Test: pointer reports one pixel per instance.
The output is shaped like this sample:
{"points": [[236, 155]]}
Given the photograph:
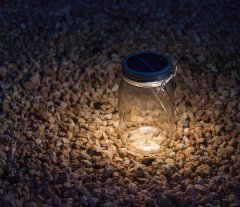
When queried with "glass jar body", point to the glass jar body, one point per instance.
{"points": [[146, 116]]}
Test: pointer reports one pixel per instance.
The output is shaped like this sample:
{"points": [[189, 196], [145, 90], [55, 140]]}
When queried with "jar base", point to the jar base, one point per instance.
{"points": [[145, 139]]}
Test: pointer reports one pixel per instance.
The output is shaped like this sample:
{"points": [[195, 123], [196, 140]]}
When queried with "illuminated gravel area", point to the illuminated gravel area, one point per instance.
{"points": [[60, 68]]}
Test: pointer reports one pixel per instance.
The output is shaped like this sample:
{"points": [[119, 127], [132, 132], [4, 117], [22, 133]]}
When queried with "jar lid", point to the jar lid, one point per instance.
{"points": [[146, 67]]}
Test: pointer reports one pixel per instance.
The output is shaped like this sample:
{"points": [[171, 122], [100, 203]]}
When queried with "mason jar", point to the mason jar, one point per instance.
{"points": [[146, 102]]}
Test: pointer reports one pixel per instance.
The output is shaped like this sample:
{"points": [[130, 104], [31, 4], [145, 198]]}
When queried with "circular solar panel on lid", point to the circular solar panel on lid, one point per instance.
{"points": [[146, 67]]}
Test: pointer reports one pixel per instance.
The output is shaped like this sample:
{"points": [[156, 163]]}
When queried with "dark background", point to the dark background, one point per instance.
{"points": [[203, 33]]}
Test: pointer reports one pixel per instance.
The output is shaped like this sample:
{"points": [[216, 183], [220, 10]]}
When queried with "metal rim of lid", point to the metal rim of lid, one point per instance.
{"points": [[150, 76]]}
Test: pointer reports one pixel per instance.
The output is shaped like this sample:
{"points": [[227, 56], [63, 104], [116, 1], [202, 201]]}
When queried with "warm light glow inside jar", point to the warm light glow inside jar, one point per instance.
{"points": [[146, 102]]}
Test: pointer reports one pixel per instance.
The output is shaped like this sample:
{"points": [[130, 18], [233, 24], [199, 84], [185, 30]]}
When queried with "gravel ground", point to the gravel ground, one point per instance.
{"points": [[59, 77]]}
